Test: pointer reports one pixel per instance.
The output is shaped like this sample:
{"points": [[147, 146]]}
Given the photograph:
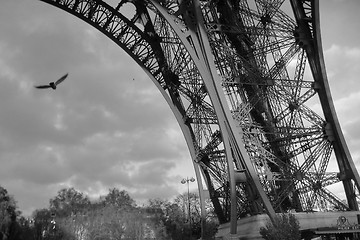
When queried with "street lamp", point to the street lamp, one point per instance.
{"points": [[187, 180]]}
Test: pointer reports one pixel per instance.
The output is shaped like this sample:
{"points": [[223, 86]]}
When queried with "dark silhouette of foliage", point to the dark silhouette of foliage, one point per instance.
{"points": [[8, 226], [11, 224]]}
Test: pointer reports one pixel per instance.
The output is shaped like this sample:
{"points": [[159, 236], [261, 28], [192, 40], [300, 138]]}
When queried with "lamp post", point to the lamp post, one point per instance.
{"points": [[187, 180]]}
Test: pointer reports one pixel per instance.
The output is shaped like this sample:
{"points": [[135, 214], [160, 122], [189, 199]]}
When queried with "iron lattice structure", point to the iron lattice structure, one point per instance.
{"points": [[247, 84]]}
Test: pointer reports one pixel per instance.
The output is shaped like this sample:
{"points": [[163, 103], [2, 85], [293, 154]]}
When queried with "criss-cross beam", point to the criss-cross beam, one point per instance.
{"points": [[241, 78]]}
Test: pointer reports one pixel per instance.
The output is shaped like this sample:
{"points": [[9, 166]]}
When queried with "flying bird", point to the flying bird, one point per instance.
{"points": [[53, 84]]}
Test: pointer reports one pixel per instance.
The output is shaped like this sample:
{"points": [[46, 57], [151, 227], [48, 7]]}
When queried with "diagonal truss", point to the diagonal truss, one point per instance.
{"points": [[267, 59]]}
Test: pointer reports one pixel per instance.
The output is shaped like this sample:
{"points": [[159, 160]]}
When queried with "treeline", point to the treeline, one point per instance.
{"points": [[71, 216]]}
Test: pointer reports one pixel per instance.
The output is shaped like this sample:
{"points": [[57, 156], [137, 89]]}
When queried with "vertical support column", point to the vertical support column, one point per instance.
{"points": [[201, 54], [201, 60], [233, 136]]}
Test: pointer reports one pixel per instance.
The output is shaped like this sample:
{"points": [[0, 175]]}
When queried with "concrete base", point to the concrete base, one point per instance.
{"points": [[249, 228]]}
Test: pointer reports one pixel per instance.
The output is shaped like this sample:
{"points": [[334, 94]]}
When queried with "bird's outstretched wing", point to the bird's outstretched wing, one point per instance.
{"points": [[61, 79], [42, 86]]}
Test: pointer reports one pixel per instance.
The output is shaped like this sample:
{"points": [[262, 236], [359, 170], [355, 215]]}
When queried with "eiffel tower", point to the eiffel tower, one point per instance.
{"points": [[244, 80]]}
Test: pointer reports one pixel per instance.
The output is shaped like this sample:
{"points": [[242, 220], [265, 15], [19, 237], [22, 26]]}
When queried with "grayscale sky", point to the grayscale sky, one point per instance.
{"points": [[107, 125]]}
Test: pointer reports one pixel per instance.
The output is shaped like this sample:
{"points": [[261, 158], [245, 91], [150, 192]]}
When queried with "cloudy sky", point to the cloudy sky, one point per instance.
{"points": [[107, 125]]}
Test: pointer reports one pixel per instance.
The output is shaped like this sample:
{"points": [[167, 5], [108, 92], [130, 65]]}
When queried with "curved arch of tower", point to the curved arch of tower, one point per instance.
{"points": [[245, 80]]}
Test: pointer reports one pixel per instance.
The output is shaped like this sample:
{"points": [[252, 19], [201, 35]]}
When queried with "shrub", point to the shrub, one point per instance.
{"points": [[285, 227]]}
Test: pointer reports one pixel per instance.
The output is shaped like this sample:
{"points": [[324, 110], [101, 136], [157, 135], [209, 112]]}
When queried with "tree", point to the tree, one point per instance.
{"points": [[26, 229], [190, 206], [42, 223], [69, 201], [155, 212], [211, 222], [284, 227], [120, 199], [5, 216], [9, 228], [114, 216], [134, 224], [106, 222], [172, 217]]}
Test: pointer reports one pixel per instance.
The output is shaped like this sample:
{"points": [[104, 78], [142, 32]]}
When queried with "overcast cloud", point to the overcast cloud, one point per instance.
{"points": [[107, 125]]}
